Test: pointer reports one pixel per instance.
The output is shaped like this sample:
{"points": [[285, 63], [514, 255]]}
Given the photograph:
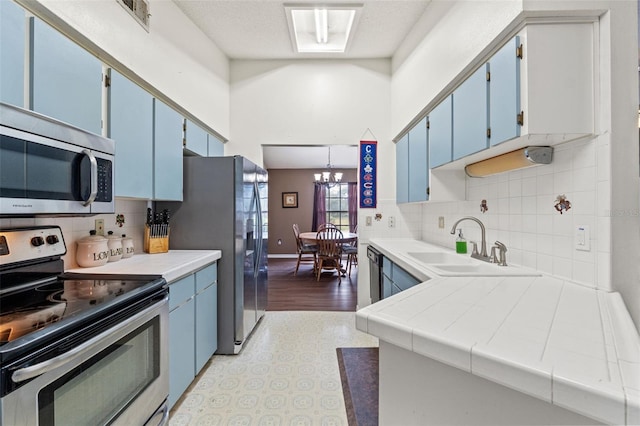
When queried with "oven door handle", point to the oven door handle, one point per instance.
{"points": [[36, 370], [94, 177]]}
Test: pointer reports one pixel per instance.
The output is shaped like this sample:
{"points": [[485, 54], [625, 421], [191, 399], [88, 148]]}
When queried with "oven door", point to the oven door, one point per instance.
{"points": [[118, 377], [39, 176]]}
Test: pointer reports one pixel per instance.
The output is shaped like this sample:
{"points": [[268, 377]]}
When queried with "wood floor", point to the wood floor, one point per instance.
{"points": [[287, 292]]}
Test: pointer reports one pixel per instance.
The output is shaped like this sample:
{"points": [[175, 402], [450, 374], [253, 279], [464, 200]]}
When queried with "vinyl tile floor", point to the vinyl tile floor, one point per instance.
{"points": [[287, 374]]}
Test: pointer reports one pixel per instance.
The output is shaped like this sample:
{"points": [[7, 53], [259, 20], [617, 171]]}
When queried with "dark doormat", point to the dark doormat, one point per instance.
{"points": [[359, 375]]}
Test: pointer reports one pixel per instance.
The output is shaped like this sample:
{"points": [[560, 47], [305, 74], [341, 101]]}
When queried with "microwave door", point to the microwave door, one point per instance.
{"points": [[43, 176]]}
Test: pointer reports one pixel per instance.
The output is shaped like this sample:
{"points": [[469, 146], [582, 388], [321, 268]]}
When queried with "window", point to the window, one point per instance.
{"points": [[337, 206]]}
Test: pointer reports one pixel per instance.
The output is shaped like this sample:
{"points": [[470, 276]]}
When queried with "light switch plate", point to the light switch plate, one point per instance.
{"points": [[368, 221], [441, 222], [582, 238]]}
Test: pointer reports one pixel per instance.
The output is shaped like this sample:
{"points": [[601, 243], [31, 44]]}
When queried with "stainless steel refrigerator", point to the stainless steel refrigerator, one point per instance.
{"points": [[225, 207]]}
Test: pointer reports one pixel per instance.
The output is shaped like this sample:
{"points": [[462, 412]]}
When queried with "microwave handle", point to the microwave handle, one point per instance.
{"points": [[94, 177]]}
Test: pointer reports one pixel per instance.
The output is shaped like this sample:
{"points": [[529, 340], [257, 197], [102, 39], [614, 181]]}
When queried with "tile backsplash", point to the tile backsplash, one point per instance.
{"points": [[521, 213], [74, 228]]}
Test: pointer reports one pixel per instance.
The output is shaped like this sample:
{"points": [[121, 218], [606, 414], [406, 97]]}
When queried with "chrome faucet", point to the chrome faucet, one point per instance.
{"points": [[501, 257], [483, 249]]}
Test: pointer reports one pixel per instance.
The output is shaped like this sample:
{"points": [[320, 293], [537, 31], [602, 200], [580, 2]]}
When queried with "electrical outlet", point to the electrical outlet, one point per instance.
{"points": [[99, 226], [441, 222], [368, 221], [392, 222]]}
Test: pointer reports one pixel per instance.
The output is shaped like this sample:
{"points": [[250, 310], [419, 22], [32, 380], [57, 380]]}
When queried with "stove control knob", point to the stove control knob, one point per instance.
{"points": [[37, 241], [52, 239]]}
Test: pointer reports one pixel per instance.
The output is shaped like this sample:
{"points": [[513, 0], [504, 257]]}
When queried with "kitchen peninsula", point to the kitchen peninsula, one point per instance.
{"points": [[501, 349]]}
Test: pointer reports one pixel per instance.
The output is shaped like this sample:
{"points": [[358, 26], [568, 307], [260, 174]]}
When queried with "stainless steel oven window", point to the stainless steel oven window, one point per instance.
{"points": [[98, 390]]}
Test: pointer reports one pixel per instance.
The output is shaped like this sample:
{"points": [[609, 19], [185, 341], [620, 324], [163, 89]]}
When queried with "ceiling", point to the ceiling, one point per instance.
{"points": [[259, 30]]}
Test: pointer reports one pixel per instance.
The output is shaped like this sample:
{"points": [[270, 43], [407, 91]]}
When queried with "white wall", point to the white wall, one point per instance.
{"points": [[317, 102], [321, 102], [599, 177], [174, 57]]}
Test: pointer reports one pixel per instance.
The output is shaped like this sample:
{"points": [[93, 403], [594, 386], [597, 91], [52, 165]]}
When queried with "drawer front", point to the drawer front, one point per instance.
{"points": [[181, 290], [206, 276]]}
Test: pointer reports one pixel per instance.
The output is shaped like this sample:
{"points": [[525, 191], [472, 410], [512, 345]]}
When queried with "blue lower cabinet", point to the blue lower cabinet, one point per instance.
{"points": [[206, 319], [181, 348], [395, 279], [193, 327]]}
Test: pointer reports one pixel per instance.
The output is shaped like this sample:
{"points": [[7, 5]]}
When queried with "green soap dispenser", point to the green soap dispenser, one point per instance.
{"points": [[461, 243]]}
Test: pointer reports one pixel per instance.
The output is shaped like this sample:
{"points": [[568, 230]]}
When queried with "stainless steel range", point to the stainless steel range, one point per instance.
{"points": [[76, 348]]}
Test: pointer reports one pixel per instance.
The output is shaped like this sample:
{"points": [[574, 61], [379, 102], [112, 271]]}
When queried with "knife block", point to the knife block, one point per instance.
{"points": [[155, 244]]}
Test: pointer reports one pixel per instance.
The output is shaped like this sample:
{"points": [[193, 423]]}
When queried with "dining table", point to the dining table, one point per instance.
{"points": [[310, 237], [347, 237]]}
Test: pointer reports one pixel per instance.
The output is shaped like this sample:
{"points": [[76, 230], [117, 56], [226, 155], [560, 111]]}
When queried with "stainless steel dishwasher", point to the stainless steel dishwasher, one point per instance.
{"points": [[375, 273]]}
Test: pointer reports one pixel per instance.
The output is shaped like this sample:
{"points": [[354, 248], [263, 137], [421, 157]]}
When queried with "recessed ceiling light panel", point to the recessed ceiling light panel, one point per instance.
{"points": [[322, 28]]}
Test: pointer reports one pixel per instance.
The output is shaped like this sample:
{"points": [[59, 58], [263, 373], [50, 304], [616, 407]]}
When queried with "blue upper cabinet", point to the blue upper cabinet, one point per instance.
{"points": [[167, 152], [216, 147], [67, 80], [504, 90], [12, 34], [470, 115], [131, 127], [402, 170], [196, 139], [440, 133], [418, 162]]}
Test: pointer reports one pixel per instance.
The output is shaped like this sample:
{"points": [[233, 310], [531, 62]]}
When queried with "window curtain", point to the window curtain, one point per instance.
{"points": [[352, 196], [319, 206]]}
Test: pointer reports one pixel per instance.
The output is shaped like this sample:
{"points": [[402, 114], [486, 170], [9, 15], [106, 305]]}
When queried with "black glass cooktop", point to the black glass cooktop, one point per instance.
{"points": [[27, 310]]}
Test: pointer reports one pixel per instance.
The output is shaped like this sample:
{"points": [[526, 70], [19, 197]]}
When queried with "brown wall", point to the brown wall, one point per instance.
{"points": [[281, 219]]}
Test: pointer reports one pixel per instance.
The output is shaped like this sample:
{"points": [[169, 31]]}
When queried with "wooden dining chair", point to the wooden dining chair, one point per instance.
{"points": [[351, 250], [306, 252], [326, 226], [329, 251]]}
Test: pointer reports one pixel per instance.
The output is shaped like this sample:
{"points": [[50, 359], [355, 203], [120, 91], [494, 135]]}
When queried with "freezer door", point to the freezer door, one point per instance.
{"points": [[252, 248], [263, 213]]}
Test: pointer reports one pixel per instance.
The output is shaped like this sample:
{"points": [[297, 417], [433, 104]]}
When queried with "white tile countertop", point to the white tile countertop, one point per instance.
{"points": [[569, 345], [171, 265]]}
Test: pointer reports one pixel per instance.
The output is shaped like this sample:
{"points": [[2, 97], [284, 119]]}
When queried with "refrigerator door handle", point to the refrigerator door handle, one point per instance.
{"points": [[258, 233]]}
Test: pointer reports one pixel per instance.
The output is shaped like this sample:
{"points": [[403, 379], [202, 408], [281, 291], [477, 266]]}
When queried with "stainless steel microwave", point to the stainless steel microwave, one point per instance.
{"points": [[50, 168]]}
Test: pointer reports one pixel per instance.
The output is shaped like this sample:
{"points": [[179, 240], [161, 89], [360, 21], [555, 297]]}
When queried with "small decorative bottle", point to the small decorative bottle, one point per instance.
{"points": [[461, 243]]}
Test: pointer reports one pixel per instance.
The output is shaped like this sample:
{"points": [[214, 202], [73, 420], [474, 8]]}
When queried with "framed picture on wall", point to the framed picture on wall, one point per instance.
{"points": [[290, 200]]}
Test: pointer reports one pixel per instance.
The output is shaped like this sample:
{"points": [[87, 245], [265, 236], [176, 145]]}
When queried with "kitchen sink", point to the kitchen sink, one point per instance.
{"points": [[456, 265], [481, 269], [440, 258]]}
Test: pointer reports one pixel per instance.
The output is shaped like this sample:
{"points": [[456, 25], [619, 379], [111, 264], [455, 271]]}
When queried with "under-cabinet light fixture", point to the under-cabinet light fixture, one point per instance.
{"points": [[518, 159]]}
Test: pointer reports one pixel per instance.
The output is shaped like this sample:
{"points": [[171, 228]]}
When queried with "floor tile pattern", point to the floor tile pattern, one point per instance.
{"points": [[287, 374]]}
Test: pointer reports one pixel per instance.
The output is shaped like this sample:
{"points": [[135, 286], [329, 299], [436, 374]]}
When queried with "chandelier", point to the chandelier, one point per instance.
{"points": [[325, 176]]}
